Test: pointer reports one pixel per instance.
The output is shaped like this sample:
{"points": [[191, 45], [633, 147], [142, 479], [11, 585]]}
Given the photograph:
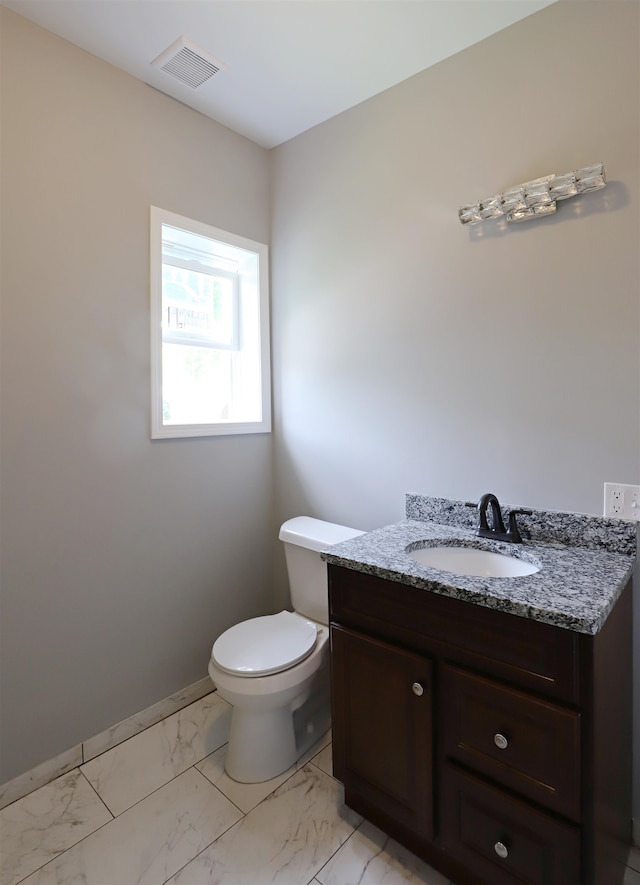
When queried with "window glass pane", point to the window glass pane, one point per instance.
{"points": [[196, 384], [201, 305]]}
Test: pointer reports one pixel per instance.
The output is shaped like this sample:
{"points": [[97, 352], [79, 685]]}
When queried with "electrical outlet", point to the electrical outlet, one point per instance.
{"points": [[622, 501]]}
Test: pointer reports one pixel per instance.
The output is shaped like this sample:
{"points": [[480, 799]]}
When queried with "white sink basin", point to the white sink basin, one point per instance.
{"points": [[472, 562]]}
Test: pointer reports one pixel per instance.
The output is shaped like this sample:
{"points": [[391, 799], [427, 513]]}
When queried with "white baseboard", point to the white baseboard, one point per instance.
{"points": [[40, 775], [118, 733], [48, 771]]}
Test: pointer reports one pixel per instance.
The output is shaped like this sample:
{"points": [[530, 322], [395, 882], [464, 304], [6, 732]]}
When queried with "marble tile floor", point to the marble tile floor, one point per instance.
{"points": [[158, 808]]}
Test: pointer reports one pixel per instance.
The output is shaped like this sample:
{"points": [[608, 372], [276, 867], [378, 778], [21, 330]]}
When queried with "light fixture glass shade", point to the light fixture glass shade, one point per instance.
{"points": [[491, 207], [469, 214], [591, 178], [521, 214], [541, 211], [531, 212], [536, 193], [563, 186], [513, 199]]}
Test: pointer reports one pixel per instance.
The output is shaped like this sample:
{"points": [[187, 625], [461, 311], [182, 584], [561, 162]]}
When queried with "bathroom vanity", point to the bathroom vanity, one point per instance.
{"points": [[485, 723]]}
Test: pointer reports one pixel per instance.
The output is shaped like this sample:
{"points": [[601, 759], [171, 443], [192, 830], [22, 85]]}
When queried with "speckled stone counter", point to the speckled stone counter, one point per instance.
{"points": [[584, 561]]}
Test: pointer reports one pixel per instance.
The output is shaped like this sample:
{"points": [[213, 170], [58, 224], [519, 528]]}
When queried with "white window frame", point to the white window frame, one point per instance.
{"points": [[160, 430]]}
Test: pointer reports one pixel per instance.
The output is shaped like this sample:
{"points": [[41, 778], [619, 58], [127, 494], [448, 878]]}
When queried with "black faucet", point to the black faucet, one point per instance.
{"points": [[497, 532]]}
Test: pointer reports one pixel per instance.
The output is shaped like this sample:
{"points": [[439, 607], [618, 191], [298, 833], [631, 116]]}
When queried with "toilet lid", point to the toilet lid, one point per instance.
{"points": [[265, 645]]}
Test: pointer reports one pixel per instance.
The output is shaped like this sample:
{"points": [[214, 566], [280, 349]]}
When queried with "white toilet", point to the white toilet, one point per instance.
{"points": [[274, 670]]}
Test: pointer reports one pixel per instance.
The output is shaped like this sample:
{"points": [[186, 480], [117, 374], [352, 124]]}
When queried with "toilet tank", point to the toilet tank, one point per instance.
{"points": [[304, 538]]}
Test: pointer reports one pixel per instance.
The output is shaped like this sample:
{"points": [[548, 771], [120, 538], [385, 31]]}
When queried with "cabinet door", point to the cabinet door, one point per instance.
{"points": [[382, 728]]}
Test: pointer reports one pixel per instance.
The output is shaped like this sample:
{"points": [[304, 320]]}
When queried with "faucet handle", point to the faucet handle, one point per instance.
{"points": [[514, 531], [474, 506]]}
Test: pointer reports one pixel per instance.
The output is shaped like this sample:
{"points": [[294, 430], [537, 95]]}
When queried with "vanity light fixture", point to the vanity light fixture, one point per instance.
{"points": [[534, 199]]}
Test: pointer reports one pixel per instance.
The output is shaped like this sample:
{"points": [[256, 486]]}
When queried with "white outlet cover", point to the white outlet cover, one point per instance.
{"points": [[622, 501]]}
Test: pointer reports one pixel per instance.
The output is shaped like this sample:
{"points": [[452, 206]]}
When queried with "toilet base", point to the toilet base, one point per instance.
{"points": [[261, 745], [264, 744]]}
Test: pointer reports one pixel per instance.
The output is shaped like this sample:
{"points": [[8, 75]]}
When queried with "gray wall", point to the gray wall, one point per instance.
{"points": [[122, 559], [414, 355]]}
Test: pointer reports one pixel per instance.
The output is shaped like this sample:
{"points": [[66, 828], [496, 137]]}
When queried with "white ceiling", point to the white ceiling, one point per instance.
{"points": [[291, 64]]}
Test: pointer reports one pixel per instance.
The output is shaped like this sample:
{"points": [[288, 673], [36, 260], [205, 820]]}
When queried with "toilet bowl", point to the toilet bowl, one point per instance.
{"points": [[262, 736], [274, 670]]}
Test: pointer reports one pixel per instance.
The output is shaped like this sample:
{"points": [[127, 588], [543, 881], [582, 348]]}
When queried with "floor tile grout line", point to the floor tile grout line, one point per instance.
{"points": [[81, 745], [150, 725], [208, 846], [172, 778], [243, 813], [101, 800], [339, 848], [80, 766], [115, 817], [161, 786], [80, 841], [73, 845], [132, 737], [221, 791], [246, 814], [264, 798], [351, 834]]}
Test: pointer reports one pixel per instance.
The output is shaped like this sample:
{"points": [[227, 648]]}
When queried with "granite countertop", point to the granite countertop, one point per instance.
{"points": [[584, 561]]}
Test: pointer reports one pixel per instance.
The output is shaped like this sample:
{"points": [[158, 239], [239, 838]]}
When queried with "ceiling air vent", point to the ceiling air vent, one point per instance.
{"points": [[188, 63]]}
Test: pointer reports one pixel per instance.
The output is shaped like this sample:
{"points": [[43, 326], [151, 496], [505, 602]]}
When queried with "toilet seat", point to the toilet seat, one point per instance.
{"points": [[266, 645]]}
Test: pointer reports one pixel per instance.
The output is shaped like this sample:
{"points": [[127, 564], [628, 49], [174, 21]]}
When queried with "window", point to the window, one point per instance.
{"points": [[209, 330]]}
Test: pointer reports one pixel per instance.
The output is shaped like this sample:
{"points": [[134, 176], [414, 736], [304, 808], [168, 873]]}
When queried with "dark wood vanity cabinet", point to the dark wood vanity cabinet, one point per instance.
{"points": [[495, 747]]}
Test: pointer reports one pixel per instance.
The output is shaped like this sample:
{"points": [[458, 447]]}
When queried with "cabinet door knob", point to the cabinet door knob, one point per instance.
{"points": [[417, 689], [501, 742], [501, 849]]}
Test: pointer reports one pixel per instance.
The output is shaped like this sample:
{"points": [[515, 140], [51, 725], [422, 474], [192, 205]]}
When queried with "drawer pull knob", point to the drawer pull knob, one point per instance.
{"points": [[417, 689], [501, 850], [501, 743]]}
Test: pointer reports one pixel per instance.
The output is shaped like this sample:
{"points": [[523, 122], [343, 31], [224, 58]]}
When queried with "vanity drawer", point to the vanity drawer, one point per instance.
{"points": [[505, 840], [538, 656], [527, 744]]}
